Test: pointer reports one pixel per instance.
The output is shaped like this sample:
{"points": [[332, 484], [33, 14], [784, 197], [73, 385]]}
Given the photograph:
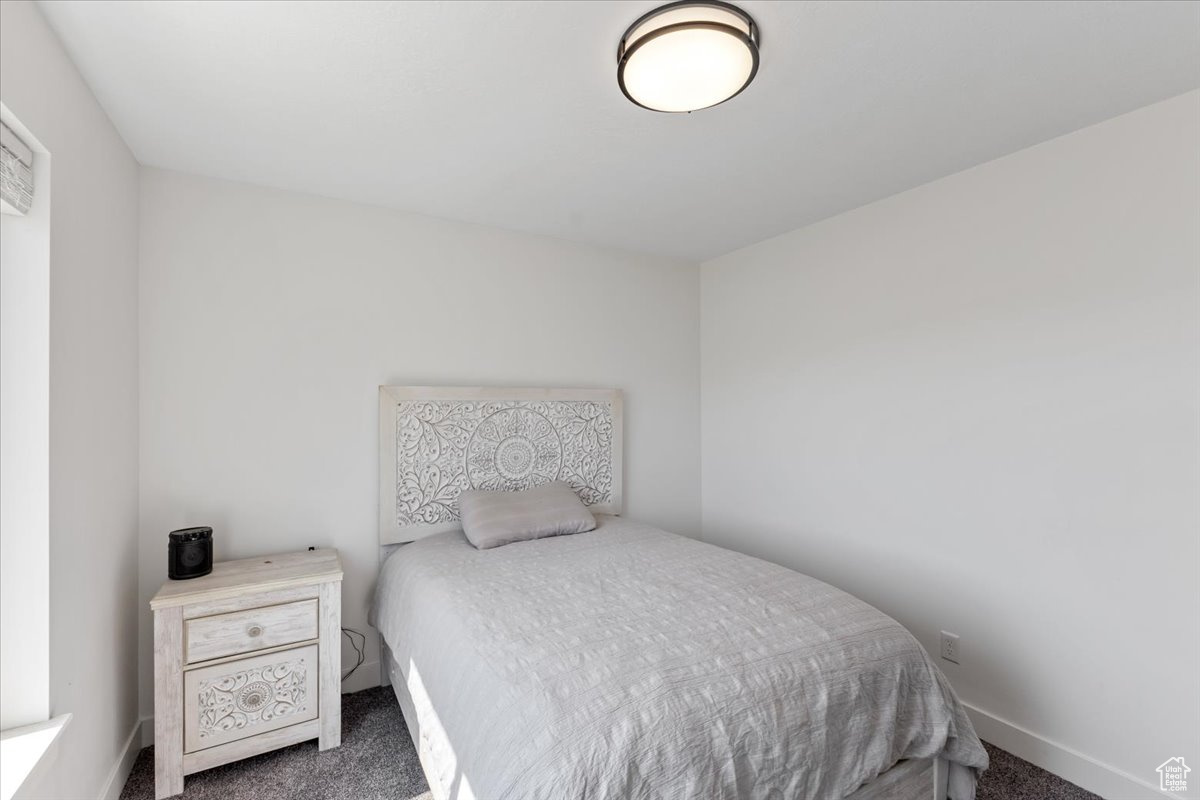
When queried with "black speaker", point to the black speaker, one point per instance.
{"points": [[189, 553]]}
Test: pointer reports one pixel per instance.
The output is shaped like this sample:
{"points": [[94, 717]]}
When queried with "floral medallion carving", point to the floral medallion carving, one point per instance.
{"points": [[253, 696], [514, 448], [445, 447]]}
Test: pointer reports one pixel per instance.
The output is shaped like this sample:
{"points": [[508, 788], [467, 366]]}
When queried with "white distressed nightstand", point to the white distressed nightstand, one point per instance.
{"points": [[246, 659]]}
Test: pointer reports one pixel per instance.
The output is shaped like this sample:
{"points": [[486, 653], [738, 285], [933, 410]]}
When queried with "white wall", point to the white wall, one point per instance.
{"points": [[93, 401], [976, 405], [269, 319]]}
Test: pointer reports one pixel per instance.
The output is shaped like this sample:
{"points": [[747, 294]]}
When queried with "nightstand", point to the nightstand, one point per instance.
{"points": [[246, 659]]}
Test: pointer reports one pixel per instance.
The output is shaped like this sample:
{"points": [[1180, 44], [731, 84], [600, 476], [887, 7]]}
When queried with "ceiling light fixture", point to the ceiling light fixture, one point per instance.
{"points": [[687, 56]]}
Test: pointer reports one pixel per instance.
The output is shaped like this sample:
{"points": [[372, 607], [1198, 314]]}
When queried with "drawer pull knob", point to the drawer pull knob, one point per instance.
{"points": [[254, 630]]}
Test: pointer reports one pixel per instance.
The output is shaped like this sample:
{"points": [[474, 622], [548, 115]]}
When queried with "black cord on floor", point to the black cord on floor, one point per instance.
{"points": [[361, 651]]}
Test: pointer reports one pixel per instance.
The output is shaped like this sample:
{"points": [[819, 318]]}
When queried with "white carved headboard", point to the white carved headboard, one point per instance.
{"points": [[437, 441]]}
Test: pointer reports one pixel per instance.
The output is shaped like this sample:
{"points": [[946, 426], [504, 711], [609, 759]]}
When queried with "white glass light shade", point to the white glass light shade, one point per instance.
{"points": [[688, 56]]}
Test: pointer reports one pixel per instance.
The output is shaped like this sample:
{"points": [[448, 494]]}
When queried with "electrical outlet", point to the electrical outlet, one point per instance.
{"points": [[950, 646]]}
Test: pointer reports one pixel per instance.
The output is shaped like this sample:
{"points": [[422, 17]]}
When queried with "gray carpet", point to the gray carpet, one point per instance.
{"points": [[377, 762], [1011, 778]]}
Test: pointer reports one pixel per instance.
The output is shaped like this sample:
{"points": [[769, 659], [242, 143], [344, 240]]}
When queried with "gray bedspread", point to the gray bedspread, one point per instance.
{"points": [[632, 663]]}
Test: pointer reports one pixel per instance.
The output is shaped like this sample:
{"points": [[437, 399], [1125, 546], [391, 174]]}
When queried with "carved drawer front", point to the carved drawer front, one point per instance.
{"points": [[250, 630], [230, 701]]}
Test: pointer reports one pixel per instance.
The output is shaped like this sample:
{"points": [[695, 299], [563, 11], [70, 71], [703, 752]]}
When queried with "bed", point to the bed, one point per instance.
{"points": [[628, 662]]}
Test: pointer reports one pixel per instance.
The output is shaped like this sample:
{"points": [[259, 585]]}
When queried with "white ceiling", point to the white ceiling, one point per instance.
{"points": [[508, 113]]}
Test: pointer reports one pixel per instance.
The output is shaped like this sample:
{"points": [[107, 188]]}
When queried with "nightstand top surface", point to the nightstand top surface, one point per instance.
{"points": [[232, 578]]}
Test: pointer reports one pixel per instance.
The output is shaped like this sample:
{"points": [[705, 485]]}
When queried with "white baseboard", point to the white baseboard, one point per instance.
{"points": [[120, 771], [1081, 770]]}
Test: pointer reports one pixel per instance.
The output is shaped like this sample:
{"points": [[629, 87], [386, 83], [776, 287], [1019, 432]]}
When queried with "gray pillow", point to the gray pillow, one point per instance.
{"points": [[492, 519]]}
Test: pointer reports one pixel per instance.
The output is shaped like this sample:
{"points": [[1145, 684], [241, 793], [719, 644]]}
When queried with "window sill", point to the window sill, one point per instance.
{"points": [[27, 752]]}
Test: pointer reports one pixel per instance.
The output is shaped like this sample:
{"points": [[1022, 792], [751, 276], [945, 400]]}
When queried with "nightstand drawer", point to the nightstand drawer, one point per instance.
{"points": [[246, 631], [238, 699]]}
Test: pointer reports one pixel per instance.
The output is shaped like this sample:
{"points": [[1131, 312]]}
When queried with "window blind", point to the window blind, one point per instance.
{"points": [[16, 172]]}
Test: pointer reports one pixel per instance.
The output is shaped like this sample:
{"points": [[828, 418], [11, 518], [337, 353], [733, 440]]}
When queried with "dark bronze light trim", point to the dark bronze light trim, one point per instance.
{"points": [[751, 41]]}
